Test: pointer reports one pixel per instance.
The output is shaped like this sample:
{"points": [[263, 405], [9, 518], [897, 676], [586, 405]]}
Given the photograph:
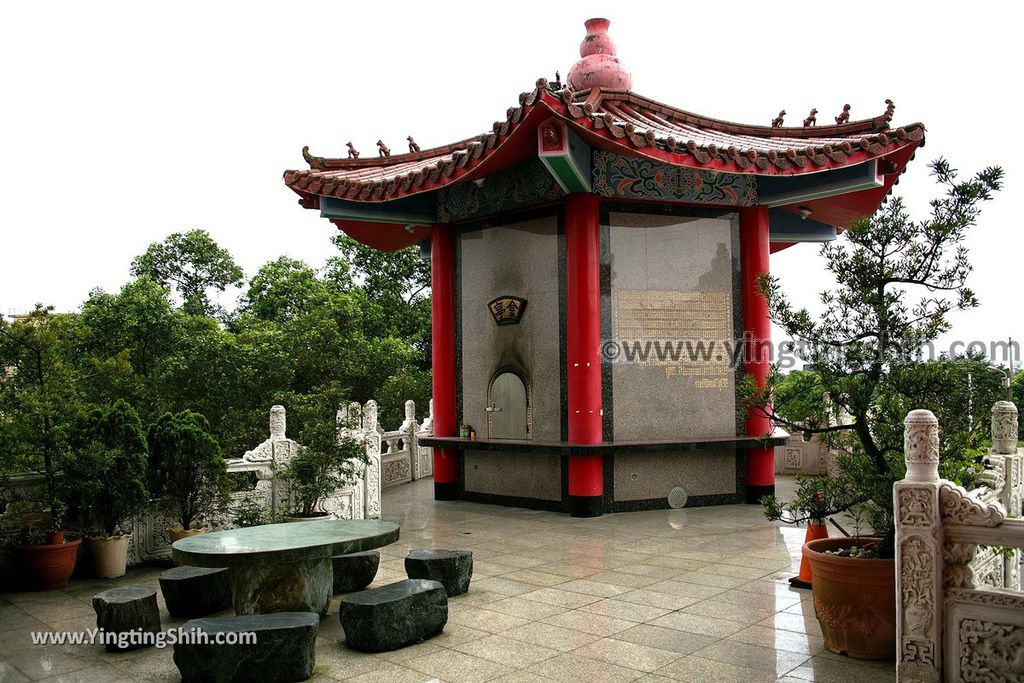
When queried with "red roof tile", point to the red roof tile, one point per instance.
{"points": [[619, 120]]}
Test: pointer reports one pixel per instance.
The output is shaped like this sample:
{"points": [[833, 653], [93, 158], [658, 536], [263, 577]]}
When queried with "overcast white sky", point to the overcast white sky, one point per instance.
{"points": [[123, 122]]}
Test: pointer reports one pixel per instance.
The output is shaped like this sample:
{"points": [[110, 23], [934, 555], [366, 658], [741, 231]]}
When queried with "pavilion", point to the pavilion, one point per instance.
{"points": [[587, 218]]}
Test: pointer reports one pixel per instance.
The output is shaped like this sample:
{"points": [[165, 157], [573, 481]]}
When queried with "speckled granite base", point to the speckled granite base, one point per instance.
{"points": [[303, 586]]}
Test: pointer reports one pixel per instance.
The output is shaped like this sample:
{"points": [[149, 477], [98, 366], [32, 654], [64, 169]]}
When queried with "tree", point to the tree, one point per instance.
{"points": [[870, 332], [127, 338], [282, 290], [191, 264], [800, 398], [396, 286], [186, 469], [326, 461], [37, 388], [1018, 397], [104, 476]]}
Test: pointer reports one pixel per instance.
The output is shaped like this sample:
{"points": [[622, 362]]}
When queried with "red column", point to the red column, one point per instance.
{"points": [[757, 333], [582, 349], [442, 331]]}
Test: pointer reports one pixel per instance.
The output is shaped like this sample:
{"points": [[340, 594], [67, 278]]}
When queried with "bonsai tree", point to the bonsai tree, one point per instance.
{"points": [[866, 339], [326, 462], [186, 470], [104, 479]]}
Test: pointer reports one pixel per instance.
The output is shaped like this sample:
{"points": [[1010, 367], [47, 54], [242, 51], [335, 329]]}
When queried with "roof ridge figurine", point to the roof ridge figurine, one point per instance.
{"points": [[777, 121], [845, 116], [353, 153], [382, 149], [413, 147], [890, 108], [812, 118]]}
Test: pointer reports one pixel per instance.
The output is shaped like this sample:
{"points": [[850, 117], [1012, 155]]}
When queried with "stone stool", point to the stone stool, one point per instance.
{"points": [[393, 616], [453, 568], [284, 649], [195, 591], [355, 571], [127, 610]]}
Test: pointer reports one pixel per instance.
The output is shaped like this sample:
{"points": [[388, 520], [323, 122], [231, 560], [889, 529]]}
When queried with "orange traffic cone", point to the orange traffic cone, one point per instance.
{"points": [[814, 532]]}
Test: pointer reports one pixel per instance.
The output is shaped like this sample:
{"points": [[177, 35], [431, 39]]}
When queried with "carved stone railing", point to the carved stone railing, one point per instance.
{"points": [[958, 617], [402, 459]]}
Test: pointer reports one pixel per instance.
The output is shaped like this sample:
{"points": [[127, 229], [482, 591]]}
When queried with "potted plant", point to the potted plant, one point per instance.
{"points": [[104, 483], [863, 349], [186, 470], [817, 499], [327, 461], [38, 396]]}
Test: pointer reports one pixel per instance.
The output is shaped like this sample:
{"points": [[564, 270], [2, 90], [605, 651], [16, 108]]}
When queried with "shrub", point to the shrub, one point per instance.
{"points": [[104, 475], [186, 469]]}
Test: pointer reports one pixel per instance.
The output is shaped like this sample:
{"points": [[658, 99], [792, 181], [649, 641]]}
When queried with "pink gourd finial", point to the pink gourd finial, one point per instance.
{"points": [[598, 66]]}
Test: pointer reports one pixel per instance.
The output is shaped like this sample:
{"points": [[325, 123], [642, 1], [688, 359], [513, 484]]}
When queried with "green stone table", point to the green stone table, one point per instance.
{"points": [[283, 567]]}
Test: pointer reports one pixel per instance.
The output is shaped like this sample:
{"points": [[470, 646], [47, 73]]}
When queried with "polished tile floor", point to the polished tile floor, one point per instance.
{"points": [[688, 595]]}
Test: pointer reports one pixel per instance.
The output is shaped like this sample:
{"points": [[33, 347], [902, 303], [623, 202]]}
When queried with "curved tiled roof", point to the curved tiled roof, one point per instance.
{"points": [[618, 120]]}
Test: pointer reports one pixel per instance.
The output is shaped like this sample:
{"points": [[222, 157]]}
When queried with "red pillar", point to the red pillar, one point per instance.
{"points": [[442, 331], [757, 333], [582, 349]]}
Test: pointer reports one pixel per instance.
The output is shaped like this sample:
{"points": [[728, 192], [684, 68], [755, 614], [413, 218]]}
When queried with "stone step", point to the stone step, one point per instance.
{"points": [[453, 568], [284, 649], [195, 591], [393, 616]]}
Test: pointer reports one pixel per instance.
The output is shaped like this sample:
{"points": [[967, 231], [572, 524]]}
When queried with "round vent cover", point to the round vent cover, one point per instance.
{"points": [[677, 497]]}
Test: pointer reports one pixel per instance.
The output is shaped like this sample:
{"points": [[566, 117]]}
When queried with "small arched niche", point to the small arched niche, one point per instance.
{"points": [[508, 406]]}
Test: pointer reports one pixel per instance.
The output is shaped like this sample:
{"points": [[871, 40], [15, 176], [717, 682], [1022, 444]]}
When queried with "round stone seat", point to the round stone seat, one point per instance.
{"points": [[283, 651], [124, 615], [195, 591], [393, 616], [453, 568], [354, 571]]}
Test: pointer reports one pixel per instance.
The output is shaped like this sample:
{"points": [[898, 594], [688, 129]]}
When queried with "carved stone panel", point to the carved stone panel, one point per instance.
{"points": [[985, 636]]}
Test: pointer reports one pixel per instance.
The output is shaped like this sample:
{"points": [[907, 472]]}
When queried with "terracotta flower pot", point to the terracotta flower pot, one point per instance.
{"points": [[46, 567], [109, 556], [854, 600]]}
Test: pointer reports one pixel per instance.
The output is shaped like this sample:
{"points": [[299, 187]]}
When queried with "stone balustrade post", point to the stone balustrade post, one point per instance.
{"points": [[1004, 443], [372, 481], [410, 427], [1004, 428], [919, 546], [428, 425]]}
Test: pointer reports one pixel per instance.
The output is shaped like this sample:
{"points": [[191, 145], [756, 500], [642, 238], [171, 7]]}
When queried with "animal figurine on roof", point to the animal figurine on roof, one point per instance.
{"points": [[777, 121], [353, 153], [889, 109], [845, 116], [413, 147], [383, 149], [812, 118]]}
